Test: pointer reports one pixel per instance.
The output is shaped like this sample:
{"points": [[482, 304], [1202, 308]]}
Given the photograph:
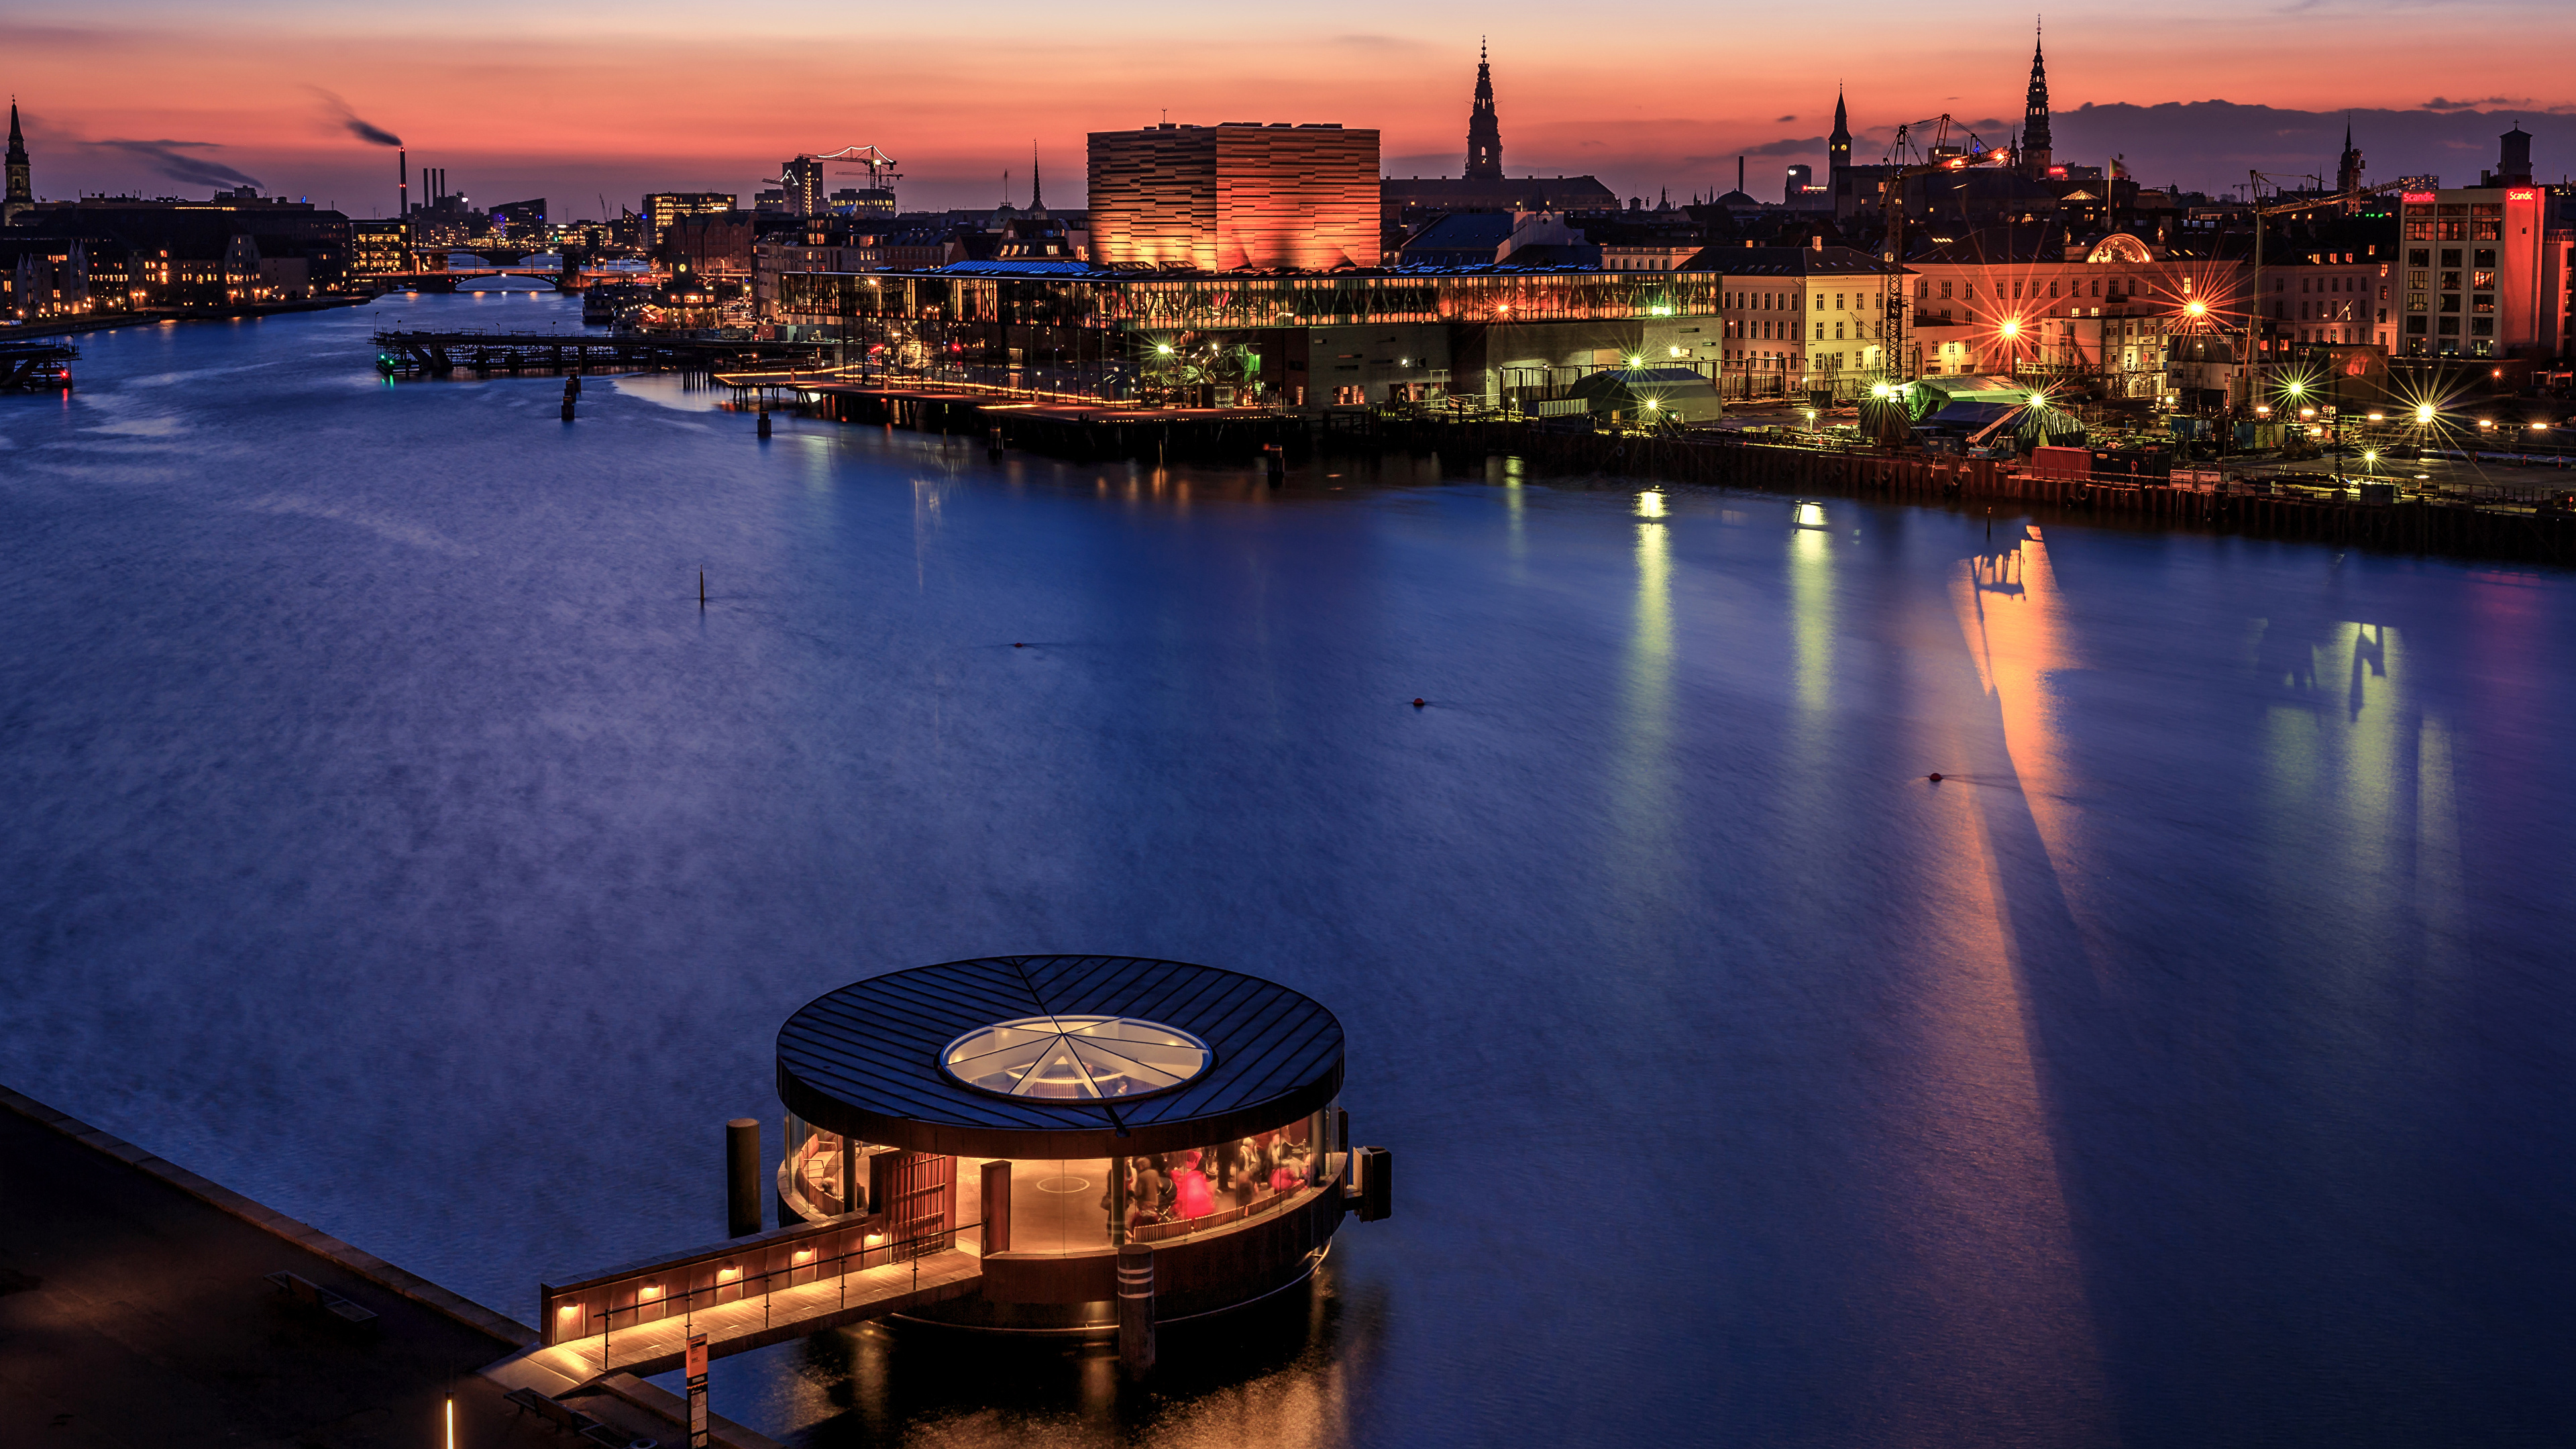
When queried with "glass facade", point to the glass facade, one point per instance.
{"points": [[1066, 1204], [1149, 302]]}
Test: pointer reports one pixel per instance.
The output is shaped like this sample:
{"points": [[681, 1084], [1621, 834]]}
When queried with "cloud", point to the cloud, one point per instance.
{"points": [[1794, 146], [371, 134], [1784, 120], [170, 159], [2210, 145]]}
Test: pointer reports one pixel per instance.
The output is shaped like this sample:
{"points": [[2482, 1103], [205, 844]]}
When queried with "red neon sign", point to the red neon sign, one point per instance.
{"points": [[2419, 198], [2524, 194]]}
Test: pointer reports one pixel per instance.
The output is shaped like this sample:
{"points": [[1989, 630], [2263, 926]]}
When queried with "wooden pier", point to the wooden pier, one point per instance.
{"points": [[36, 365], [408, 353]]}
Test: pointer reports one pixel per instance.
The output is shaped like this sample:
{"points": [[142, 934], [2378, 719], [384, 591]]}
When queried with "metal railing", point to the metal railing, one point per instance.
{"points": [[744, 1285]]}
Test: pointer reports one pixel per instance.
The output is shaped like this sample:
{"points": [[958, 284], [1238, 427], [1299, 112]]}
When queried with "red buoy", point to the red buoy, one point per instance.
{"points": [[1019, 646], [1934, 777], [1417, 704]]}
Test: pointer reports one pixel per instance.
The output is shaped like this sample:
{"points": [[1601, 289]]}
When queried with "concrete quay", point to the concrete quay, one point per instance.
{"points": [[136, 1309]]}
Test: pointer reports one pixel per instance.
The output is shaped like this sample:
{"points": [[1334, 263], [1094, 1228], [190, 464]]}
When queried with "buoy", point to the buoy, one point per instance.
{"points": [[702, 588], [1019, 646], [1417, 704], [764, 423], [1934, 777]]}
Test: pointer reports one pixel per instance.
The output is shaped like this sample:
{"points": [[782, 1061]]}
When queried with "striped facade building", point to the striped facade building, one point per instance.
{"points": [[1238, 195]]}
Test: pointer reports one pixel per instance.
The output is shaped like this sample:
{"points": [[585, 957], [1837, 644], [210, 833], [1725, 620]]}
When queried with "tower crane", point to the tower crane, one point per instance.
{"points": [[2253, 370], [1905, 162], [880, 166]]}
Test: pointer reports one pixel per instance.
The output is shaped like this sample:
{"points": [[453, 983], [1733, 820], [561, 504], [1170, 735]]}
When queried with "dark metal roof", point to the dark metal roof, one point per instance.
{"points": [[1752, 261], [864, 1060]]}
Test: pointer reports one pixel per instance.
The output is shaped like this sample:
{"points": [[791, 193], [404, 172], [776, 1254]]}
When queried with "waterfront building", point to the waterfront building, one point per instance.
{"points": [[2478, 266], [1313, 341], [380, 248], [1241, 194], [1051, 1113], [2030, 302], [46, 277], [709, 243], [662, 208], [824, 244], [238, 247], [21, 196], [1791, 318]]}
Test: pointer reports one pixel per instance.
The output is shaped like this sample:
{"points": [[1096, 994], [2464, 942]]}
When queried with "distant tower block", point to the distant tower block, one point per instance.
{"points": [[1484, 132]]}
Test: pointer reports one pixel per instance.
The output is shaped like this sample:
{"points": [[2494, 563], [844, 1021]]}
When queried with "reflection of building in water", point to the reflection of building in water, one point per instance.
{"points": [[1285, 1371], [1046, 1111]]}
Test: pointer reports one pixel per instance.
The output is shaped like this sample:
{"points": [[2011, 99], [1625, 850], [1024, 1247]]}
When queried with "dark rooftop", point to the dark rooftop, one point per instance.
{"points": [[864, 1060], [1744, 261]]}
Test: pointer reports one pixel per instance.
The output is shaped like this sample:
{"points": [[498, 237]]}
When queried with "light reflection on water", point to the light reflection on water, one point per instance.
{"points": [[395, 839]]}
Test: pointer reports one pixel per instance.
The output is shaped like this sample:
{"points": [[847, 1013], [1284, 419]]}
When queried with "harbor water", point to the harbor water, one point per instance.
{"points": [[394, 837]]}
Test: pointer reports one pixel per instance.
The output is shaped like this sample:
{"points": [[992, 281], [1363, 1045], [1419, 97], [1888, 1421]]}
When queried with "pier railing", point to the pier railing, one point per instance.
{"points": [[752, 1268]]}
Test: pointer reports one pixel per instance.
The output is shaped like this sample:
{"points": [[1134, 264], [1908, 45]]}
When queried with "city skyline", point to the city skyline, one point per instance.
{"points": [[516, 106]]}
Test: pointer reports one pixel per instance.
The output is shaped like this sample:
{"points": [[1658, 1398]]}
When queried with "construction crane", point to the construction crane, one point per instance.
{"points": [[1940, 158], [880, 166], [2253, 370]]}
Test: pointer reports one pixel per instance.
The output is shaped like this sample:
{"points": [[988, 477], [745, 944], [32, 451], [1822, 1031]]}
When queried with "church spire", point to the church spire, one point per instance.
{"points": [[1037, 184], [21, 194], [2035, 148], [1838, 145], [1484, 132]]}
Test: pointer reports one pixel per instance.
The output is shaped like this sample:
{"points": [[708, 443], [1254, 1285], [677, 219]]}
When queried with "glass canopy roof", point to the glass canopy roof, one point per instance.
{"points": [[1075, 1058]]}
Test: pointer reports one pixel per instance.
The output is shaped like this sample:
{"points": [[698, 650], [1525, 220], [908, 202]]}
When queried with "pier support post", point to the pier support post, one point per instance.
{"points": [[742, 1177], [1136, 1309]]}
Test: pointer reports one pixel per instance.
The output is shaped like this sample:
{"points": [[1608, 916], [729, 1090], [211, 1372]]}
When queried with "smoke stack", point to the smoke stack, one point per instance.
{"points": [[402, 188], [1739, 173]]}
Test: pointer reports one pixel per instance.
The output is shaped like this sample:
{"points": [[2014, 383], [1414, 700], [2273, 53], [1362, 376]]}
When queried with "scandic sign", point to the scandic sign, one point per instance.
{"points": [[2419, 198], [2525, 194]]}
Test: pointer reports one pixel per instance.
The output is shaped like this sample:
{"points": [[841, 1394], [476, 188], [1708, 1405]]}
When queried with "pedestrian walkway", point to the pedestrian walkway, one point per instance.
{"points": [[659, 1346]]}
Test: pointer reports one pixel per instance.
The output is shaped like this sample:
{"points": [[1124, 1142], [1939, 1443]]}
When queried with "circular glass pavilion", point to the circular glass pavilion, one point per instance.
{"points": [[1041, 1112]]}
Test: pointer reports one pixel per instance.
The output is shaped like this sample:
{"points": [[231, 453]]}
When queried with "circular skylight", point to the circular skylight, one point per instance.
{"points": [[1075, 1058]]}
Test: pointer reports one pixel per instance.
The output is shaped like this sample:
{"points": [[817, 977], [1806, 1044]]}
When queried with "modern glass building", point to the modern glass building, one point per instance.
{"points": [[1045, 1111], [1343, 338]]}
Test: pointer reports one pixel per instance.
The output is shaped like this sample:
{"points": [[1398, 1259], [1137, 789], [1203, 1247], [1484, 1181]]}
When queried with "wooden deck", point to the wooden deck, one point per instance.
{"points": [[658, 1346]]}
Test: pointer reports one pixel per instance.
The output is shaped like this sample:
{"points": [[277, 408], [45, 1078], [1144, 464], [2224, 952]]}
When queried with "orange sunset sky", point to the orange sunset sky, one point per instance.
{"points": [[578, 101]]}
